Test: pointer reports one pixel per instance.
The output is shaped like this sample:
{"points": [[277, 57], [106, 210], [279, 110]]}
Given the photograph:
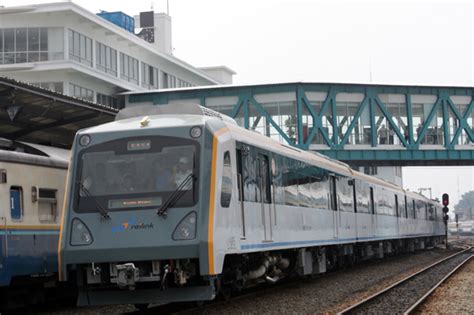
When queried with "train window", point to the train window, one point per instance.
{"points": [[385, 203], [279, 194], [363, 197], [332, 192], [239, 174], [320, 191], [401, 206], [290, 184], [420, 210], [113, 172], [3, 176], [414, 210], [226, 188], [264, 178], [431, 213], [372, 202], [345, 194], [406, 207], [396, 206], [249, 169], [304, 191], [16, 203], [47, 204]]}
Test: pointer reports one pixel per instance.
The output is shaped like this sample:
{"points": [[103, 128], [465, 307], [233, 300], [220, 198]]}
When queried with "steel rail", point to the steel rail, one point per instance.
{"points": [[398, 283], [424, 297]]}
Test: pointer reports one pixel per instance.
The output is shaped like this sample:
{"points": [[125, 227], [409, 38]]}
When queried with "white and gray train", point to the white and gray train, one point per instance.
{"points": [[178, 203]]}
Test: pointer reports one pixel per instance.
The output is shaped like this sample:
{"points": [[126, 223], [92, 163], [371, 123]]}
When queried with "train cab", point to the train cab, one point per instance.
{"points": [[136, 207]]}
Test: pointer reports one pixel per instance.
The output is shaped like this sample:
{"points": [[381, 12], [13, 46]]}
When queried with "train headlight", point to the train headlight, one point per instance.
{"points": [[186, 229], [80, 234], [195, 132], [85, 140]]}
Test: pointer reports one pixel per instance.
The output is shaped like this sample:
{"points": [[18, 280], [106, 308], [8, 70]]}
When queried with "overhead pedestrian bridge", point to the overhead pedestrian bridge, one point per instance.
{"points": [[357, 123]]}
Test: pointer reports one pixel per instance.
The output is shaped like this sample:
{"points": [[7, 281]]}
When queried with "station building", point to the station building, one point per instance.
{"points": [[65, 48]]}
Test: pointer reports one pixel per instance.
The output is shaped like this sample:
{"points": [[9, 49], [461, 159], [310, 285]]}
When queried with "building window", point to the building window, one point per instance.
{"points": [[164, 80], [52, 86], [398, 171], [182, 84], [370, 170], [20, 45], [128, 68], [81, 92], [106, 59], [109, 101], [171, 81], [80, 48], [149, 76]]}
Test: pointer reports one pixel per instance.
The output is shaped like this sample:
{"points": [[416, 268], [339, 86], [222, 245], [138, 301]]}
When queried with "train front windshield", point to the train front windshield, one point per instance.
{"points": [[137, 173]]}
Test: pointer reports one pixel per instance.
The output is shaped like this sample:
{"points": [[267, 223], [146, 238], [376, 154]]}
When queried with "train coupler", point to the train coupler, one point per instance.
{"points": [[127, 276]]}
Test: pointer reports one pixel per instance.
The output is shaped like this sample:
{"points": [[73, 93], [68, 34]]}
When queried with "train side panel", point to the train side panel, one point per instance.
{"points": [[32, 200]]}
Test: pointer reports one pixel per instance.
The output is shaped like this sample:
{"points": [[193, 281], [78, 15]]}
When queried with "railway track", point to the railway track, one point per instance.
{"points": [[406, 295]]}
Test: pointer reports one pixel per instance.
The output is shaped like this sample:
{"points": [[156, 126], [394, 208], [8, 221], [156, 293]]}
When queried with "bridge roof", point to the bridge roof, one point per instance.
{"points": [[36, 115]]}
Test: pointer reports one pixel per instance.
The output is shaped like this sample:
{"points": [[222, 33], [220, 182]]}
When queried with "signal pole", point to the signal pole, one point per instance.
{"points": [[446, 217]]}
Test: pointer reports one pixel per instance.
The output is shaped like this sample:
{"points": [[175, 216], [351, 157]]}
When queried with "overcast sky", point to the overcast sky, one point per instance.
{"points": [[396, 42]]}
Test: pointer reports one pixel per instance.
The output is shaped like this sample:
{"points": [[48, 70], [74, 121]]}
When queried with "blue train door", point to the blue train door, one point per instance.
{"points": [[15, 203]]}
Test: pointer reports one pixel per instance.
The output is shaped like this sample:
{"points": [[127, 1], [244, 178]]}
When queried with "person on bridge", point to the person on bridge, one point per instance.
{"points": [[382, 133]]}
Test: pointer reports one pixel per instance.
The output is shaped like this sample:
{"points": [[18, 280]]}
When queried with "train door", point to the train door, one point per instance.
{"points": [[263, 177], [240, 185], [372, 212], [398, 213], [333, 203], [354, 200], [3, 240]]}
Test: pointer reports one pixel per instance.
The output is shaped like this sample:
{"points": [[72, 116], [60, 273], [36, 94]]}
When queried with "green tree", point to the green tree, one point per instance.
{"points": [[466, 204]]}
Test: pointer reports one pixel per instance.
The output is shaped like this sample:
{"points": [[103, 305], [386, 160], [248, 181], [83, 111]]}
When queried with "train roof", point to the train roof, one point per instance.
{"points": [[34, 154], [162, 116]]}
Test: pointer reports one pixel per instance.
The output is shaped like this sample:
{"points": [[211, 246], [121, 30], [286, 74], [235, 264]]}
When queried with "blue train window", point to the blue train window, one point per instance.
{"points": [[16, 203]]}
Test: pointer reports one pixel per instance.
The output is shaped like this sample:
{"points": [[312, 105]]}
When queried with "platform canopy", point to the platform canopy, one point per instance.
{"points": [[33, 114]]}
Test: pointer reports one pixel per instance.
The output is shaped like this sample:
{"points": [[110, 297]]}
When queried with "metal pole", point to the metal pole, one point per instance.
{"points": [[446, 233]]}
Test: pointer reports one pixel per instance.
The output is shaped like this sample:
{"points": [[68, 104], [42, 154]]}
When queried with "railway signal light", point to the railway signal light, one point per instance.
{"points": [[445, 210], [445, 200]]}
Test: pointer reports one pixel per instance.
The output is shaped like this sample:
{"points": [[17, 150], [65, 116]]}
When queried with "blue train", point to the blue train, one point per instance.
{"points": [[32, 181]]}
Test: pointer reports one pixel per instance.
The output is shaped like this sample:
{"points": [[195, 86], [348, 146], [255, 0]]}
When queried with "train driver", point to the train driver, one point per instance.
{"points": [[183, 169]]}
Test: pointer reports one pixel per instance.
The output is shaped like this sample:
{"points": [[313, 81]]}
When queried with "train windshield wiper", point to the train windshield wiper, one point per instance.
{"points": [[175, 196], [102, 210]]}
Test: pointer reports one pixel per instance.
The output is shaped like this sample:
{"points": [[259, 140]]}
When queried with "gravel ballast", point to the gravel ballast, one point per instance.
{"points": [[455, 296]]}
